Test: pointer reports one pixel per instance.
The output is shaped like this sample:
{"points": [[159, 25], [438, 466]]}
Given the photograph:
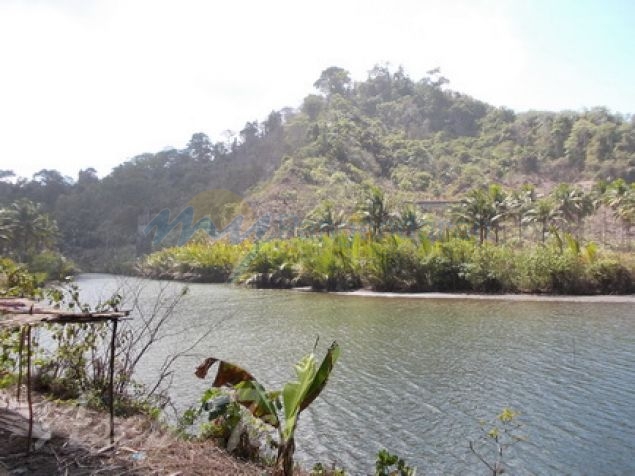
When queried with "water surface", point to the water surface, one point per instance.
{"points": [[416, 376]]}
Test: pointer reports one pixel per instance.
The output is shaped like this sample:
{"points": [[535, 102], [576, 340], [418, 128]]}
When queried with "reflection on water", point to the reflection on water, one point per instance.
{"points": [[417, 376]]}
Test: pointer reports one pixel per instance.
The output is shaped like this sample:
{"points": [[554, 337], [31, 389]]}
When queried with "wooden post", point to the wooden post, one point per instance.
{"points": [[28, 388], [20, 351], [112, 381]]}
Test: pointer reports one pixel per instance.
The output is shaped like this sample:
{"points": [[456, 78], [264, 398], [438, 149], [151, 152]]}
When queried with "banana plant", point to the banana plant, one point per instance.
{"points": [[296, 396]]}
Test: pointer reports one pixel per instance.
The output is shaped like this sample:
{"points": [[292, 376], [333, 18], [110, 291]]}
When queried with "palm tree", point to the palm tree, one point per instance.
{"points": [[573, 204], [325, 219], [409, 220], [599, 200], [518, 202], [621, 199], [373, 210], [498, 200], [545, 213], [6, 229], [30, 227], [477, 211]]}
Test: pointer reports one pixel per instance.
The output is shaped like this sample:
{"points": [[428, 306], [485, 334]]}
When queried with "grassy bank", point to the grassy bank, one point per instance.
{"points": [[401, 264]]}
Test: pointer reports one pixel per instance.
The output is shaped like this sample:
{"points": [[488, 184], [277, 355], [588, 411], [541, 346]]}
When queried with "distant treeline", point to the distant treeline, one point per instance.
{"points": [[416, 140]]}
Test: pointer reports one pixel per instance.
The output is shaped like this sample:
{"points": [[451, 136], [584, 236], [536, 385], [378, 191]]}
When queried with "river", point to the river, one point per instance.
{"points": [[418, 376]]}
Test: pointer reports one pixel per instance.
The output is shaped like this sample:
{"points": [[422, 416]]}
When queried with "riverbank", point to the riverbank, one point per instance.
{"points": [[605, 298], [75, 441], [400, 264]]}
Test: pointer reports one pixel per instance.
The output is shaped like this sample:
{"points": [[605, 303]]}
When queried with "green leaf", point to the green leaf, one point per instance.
{"points": [[310, 381], [294, 393], [253, 396], [323, 373]]}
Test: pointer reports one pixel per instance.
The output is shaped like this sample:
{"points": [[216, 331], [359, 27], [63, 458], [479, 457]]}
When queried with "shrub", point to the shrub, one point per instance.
{"points": [[610, 277], [492, 269], [52, 265]]}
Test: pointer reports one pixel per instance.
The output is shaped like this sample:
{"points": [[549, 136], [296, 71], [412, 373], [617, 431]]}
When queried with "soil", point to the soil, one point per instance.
{"points": [[76, 442]]}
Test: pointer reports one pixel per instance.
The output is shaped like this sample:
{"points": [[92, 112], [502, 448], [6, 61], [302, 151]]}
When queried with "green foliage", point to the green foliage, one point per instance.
{"points": [[388, 464], [332, 264], [52, 265], [497, 438], [15, 280], [295, 396], [415, 140], [26, 230], [400, 263], [320, 470], [195, 261], [609, 276], [392, 264]]}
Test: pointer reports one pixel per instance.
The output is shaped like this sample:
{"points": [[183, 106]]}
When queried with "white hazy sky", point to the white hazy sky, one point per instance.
{"points": [[92, 83]]}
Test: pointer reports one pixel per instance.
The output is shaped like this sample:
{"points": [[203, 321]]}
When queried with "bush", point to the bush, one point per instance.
{"points": [[211, 262], [52, 265], [492, 269], [610, 277], [392, 265], [333, 264]]}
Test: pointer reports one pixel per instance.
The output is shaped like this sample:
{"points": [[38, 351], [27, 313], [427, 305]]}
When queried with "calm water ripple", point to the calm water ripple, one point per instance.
{"points": [[417, 376]]}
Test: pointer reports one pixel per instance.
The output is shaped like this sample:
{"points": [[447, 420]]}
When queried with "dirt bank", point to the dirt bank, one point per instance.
{"points": [[79, 445]]}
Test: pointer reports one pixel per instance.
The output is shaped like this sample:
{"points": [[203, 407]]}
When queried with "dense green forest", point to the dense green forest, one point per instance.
{"points": [[415, 140]]}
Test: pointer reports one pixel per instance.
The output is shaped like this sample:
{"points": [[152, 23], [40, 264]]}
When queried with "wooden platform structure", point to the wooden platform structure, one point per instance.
{"points": [[23, 314]]}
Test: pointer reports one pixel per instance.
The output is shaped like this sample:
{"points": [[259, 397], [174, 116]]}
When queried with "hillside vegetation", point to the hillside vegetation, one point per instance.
{"points": [[416, 140]]}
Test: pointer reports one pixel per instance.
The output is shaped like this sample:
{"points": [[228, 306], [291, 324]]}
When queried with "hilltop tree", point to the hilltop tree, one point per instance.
{"points": [[333, 80], [200, 147]]}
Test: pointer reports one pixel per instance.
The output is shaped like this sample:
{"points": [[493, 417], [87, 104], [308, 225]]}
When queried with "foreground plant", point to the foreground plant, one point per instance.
{"points": [[388, 464], [497, 439], [291, 400]]}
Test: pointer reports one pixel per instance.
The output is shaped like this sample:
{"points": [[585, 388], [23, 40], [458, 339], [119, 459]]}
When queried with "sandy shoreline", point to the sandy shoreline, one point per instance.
{"points": [[617, 299]]}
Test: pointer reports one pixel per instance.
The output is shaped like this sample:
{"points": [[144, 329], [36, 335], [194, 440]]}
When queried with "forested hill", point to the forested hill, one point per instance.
{"points": [[415, 139]]}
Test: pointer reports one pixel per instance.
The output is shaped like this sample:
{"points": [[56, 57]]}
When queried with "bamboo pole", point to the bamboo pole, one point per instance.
{"points": [[112, 381]]}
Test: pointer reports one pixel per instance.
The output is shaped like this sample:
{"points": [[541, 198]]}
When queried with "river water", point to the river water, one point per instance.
{"points": [[418, 376]]}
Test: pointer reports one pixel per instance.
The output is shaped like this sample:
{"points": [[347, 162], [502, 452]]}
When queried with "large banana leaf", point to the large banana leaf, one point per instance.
{"points": [[310, 382], [228, 374], [322, 375], [249, 392]]}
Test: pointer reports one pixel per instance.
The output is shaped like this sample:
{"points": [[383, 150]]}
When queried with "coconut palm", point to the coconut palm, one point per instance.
{"points": [[409, 220], [621, 199], [573, 204], [6, 229], [518, 202], [373, 210], [477, 211], [325, 219], [544, 213], [498, 201], [30, 228]]}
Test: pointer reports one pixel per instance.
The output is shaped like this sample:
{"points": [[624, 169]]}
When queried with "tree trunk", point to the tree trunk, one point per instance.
{"points": [[544, 231]]}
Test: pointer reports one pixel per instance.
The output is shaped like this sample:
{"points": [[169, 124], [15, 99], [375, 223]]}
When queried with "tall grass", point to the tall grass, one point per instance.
{"points": [[399, 263], [196, 261]]}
